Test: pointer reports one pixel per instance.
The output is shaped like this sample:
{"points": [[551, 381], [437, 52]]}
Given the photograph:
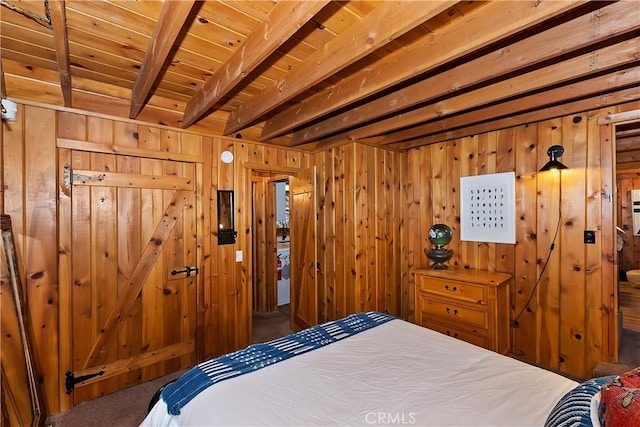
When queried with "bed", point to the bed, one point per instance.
{"points": [[389, 372]]}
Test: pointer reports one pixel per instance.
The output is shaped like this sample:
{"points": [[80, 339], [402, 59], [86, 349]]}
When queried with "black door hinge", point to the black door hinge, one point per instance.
{"points": [[71, 380]]}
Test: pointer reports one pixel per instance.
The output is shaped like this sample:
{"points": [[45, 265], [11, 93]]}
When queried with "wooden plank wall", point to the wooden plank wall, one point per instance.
{"points": [[29, 197], [228, 302], [29, 169], [374, 208], [561, 328], [359, 229]]}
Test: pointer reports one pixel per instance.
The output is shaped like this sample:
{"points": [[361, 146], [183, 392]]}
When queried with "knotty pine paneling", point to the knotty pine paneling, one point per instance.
{"points": [[31, 164], [359, 229], [374, 208], [561, 328], [94, 142], [29, 197], [231, 297]]}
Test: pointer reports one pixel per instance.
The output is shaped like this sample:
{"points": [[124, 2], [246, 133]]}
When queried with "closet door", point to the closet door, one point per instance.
{"points": [[132, 284], [304, 259]]}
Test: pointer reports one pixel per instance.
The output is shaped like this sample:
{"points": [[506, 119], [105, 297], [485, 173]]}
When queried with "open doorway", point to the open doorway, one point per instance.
{"points": [[271, 267], [283, 247], [627, 145]]}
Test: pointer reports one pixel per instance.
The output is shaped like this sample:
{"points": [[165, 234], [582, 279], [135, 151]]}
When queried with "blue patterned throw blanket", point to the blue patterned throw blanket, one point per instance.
{"points": [[257, 356]]}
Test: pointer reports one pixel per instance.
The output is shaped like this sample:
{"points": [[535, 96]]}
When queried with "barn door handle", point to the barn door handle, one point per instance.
{"points": [[187, 269], [317, 265]]}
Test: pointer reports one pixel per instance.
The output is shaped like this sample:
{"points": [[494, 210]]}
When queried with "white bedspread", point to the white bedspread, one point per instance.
{"points": [[394, 374]]}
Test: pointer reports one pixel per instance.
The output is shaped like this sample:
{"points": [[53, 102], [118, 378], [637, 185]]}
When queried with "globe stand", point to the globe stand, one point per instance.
{"points": [[439, 236], [439, 256]]}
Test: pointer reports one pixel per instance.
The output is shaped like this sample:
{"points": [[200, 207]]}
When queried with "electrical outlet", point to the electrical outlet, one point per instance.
{"points": [[589, 237]]}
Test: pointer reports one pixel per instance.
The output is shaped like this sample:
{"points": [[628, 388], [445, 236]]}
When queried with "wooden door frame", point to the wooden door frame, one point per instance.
{"points": [[610, 330], [263, 189], [249, 169]]}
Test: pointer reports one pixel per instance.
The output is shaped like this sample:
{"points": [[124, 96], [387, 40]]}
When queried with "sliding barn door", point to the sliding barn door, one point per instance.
{"points": [[132, 290], [304, 264]]}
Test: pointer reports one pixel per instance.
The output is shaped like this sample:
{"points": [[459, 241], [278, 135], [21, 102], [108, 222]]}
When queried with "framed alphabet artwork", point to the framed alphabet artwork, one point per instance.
{"points": [[487, 208]]}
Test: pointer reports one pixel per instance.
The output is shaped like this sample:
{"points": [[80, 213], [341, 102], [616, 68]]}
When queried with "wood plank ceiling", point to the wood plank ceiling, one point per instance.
{"points": [[628, 146], [314, 74]]}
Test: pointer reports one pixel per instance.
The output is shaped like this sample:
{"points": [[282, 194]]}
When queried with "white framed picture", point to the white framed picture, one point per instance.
{"points": [[487, 208]]}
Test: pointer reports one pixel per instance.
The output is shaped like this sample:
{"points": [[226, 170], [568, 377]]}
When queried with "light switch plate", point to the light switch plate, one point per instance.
{"points": [[238, 256], [589, 237]]}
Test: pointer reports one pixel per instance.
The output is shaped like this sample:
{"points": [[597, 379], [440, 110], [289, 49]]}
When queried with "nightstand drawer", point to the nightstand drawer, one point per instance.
{"points": [[448, 311], [452, 289], [477, 338]]}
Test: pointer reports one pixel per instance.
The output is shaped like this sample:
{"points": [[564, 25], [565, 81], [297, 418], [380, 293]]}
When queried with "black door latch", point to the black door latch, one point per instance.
{"points": [[188, 269]]}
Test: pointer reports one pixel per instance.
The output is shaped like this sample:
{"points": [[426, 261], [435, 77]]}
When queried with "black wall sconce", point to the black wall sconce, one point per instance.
{"points": [[226, 224], [554, 152]]}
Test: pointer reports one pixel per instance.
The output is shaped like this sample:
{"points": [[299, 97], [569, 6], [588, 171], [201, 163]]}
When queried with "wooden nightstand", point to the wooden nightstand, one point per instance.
{"points": [[472, 305]]}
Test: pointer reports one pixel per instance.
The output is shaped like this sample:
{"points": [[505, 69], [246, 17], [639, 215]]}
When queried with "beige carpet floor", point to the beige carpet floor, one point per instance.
{"points": [[128, 407], [628, 355], [271, 325], [124, 408]]}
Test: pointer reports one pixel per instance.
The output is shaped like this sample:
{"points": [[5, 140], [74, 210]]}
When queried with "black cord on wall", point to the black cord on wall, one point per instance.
{"points": [[515, 322]]}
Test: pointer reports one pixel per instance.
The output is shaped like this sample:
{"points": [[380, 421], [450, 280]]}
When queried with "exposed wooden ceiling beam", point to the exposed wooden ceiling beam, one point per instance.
{"points": [[627, 168], [172, 18], [581, 89], [281, 23], [387, 22], [574, 107], [61, 43], [619, 118], [578, 33], [631, 133], [624, 145], [581, 66], [485, 25]]}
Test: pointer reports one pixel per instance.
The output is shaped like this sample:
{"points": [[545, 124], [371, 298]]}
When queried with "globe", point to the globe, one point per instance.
{"points": [[440, 235]]}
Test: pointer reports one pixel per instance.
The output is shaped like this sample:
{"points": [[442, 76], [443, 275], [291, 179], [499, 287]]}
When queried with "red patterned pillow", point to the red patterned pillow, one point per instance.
{"points": [[620, 401]]}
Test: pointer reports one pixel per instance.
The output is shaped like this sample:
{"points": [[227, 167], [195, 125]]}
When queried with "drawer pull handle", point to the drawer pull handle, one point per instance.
{"points": [[452, 312], [447, 288], [455, 335]]}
